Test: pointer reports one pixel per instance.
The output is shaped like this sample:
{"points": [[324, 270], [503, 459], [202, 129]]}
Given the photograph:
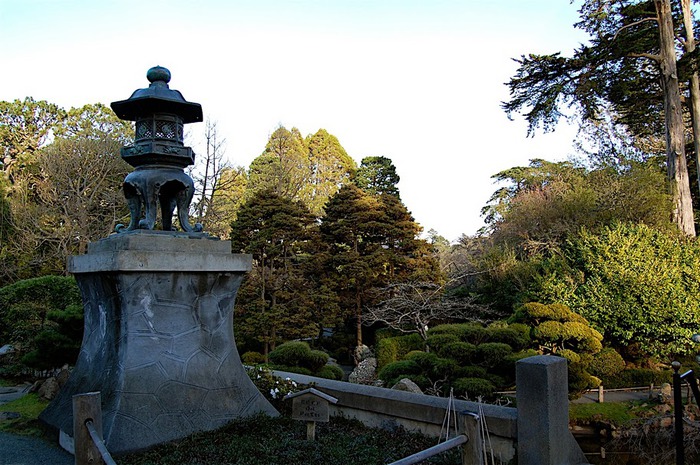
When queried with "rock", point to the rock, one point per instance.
{"points": [[62, 376], [36, 386], [9, 415], [49, 388], [361, 353], [666, 394], [6, 349], [407, 385], [365, 372]]}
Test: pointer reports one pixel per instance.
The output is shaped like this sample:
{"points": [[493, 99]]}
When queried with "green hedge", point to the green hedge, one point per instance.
{"points": [[392, 349]]}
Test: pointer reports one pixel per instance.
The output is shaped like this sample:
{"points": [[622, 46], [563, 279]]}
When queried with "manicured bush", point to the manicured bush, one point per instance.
{"points": [[331, 372], [396, 369], [491, 354], [392, 349], [43, 319], [443, 368], [473, 388], [298, 354], [462, 352], [315, 360], [637, 377], [290, 353], [517, 337], [299, 370], [471, 371], [437, 341], [253, 358], [425, 360], [606, 363]]}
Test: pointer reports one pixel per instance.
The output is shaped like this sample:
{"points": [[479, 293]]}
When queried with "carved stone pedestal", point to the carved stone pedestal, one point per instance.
{"points": [[158, 340]]}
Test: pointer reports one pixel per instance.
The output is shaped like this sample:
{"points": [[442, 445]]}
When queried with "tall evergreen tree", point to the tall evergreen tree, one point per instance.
{"points": [[377, 175], [630, 63], [274, 303], [372, 241]]}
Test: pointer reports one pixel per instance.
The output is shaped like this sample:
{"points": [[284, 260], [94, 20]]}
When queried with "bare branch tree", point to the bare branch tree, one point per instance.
{"points": [[413, 307]]}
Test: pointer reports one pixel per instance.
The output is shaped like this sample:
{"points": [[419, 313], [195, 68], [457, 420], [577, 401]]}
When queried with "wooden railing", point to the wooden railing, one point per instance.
{"points": [[90, 448], [472, 454]]}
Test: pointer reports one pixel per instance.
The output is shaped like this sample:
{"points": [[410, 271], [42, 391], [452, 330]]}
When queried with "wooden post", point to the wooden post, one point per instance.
{"points": [[87, 407], [310, 430], [472, 451], [601, 394]]}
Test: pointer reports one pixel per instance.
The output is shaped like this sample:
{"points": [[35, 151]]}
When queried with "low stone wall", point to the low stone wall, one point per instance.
{"points": [[388, 408], [537, 431]]}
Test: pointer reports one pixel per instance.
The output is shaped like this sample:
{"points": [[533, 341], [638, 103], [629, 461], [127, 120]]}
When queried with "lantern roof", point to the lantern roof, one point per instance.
{"points": [[158, 97]]}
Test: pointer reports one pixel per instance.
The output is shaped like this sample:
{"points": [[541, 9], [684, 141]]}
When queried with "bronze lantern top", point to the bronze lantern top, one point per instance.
{"points": [[158, 97]]}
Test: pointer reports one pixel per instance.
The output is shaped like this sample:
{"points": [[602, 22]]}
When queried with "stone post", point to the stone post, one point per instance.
{"points": [[543, 413], [158, 342]]}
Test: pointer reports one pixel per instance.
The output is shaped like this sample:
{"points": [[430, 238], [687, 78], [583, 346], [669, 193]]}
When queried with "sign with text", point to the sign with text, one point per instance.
{"points": [[310, 408]]}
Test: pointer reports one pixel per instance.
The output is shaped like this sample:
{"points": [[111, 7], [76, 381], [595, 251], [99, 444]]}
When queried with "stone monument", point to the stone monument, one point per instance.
{"points": [[158, 341]]}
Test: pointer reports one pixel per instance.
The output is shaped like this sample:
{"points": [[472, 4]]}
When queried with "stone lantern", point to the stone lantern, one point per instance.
{"points": [[158, 341], [158, 154]]}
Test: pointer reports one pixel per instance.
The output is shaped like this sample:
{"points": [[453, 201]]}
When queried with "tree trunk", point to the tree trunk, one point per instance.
{"points": [[358, 313], [694, 84], [675, 147]]}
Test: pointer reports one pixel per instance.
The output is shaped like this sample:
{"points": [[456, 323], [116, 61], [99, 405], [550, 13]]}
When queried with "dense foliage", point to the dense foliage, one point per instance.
{"points": [[42, 318]]}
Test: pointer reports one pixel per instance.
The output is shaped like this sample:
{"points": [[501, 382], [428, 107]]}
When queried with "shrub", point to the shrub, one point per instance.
{"points": [[570, 355], [491, 354], [580, 380], [298, 354], [472, 371], [290, 354], [273, 387], [517, 337], [473, 387], [392, 349], [437, 341], [298, 370], [443, 368], [315, 360], [636, 377], [606, 363], [253, 358], [462, 352], [43, 319], [425, 360], [331, 372], [398, 369]]}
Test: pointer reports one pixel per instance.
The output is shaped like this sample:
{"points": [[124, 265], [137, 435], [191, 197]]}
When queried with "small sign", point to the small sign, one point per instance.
{"points": [[311, 406]]}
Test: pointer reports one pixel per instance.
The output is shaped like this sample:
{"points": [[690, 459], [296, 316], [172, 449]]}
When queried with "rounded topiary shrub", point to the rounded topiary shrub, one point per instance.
{"points": [[473, 387], [471, 371], [331, 372], [252, 358], [606, 363], [443, 368], [425, 360], [461, 352], [491, 354], [515, 338], [437, 341], [314, 360], [397, 369], [290, 354]]}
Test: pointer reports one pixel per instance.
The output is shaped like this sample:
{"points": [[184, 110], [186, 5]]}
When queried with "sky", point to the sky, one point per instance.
{"points": [[417, 81]]}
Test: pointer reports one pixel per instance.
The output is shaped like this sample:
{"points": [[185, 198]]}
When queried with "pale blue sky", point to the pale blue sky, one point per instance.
{"points": [[417, 81]]}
